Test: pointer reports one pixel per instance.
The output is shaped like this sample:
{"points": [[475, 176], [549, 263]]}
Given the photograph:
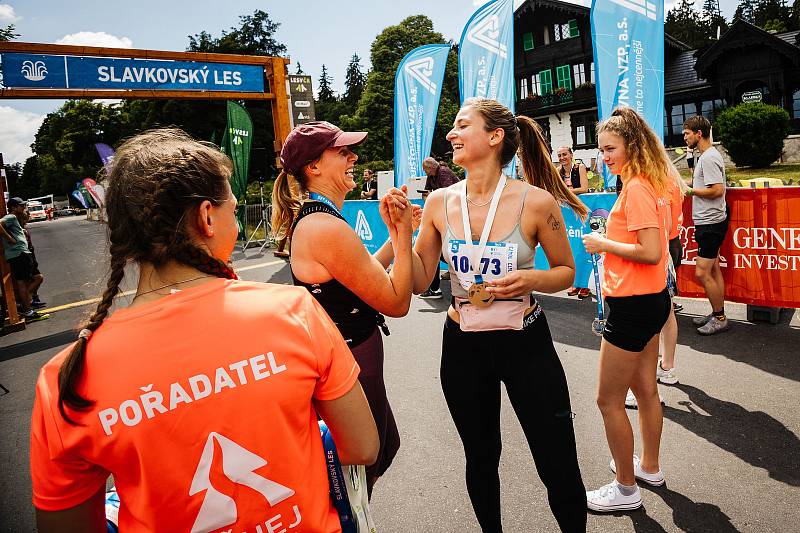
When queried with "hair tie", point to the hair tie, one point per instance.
{"points": [[85, 334], [515, 122]]}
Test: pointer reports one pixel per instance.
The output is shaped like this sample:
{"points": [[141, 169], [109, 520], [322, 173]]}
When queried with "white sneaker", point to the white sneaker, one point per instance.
{"points": [[654, 480], [631, 403], [608, 499], [667, 377]]}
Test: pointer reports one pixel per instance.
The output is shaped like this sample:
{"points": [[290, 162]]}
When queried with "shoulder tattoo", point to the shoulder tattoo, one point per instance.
{"points": [[553, 222]]}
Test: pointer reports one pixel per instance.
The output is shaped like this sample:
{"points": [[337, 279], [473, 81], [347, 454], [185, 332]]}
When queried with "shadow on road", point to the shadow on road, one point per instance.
{"points": [[771, 348], [47, 342], [687, 515], [752, 436]]}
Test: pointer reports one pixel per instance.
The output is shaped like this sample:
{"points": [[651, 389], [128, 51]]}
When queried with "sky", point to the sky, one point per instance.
{"points": [[315, 32]]}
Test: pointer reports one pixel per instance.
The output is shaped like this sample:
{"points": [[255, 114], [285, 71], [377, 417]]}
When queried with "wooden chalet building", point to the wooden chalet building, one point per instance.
{"points": [[555, 74]]}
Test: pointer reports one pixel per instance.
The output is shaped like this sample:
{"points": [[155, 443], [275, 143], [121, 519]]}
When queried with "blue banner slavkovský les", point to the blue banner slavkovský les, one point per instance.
{"points": [[417, 88], [486, 57], [41, 71], [628, 42]]}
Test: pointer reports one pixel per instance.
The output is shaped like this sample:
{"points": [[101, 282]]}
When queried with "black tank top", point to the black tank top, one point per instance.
{"points": [[574, 176], [355, 319]]}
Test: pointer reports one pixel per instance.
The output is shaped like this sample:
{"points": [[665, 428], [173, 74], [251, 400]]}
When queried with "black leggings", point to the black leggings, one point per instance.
{"points": [[473, 365]]}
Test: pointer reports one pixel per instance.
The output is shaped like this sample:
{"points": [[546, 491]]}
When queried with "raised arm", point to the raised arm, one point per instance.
{"points": [[428, 247]]}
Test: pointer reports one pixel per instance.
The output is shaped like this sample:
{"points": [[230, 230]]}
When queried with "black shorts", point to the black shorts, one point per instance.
{"points": [[22, 268], [709, 238], [676, 254], [633, 320]]}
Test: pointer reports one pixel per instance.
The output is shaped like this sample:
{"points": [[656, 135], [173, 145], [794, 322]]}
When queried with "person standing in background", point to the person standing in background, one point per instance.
{"points": [[710, 215], [577, 179], [369, 190]]}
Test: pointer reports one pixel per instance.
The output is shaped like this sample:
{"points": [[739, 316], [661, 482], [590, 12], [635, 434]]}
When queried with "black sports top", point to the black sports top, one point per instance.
{"points": [[355, 319], [574, 176]]}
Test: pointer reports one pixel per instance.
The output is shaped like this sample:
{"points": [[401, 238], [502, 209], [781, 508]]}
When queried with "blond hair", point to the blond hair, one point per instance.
{"points": [[647, 157]]}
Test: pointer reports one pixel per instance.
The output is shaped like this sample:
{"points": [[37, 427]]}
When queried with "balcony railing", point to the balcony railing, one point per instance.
{"points": [[580, 95]]}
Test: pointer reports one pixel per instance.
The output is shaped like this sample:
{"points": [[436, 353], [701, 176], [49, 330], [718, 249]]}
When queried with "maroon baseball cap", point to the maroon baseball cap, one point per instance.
{"points": [[307, 142]]}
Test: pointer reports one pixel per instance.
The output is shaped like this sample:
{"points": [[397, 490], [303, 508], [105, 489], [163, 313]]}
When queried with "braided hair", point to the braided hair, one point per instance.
{"points": [[156, 183]]}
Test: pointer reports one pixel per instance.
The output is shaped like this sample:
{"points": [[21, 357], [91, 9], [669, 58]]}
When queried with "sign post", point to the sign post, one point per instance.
{"points": [[302, 99]]}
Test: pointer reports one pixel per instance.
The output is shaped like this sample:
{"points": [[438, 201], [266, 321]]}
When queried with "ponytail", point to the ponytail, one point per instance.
{"points": [[539, 170], [285, 203]]}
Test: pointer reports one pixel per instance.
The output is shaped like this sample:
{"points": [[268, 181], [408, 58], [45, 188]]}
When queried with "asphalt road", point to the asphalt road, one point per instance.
{"points": [[730, 447]]}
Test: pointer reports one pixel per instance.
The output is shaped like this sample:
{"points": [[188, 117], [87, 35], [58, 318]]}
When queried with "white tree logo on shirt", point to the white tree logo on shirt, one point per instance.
{"points": [[239, 465]]}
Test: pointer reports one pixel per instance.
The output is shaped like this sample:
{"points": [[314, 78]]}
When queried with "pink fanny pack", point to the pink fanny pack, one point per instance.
{"points": [[502, 314]]}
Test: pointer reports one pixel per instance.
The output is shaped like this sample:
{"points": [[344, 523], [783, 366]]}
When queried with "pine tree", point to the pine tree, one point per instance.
{"points": [[354, 81], [325, 93], [299, 69], [711, 7]]}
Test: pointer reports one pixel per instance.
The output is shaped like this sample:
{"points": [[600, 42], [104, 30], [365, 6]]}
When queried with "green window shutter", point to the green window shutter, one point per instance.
{"points": [[527, 41], [573, 28], [563, 78], [546, 81]]}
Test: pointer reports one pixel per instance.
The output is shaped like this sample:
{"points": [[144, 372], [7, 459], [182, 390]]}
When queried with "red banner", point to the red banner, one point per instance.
{"points": [[760, 257]]}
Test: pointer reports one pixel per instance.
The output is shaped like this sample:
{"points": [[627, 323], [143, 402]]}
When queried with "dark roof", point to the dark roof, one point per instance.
{"points": [[789, 36], [742, 34], [554, 4], [680, 75]]}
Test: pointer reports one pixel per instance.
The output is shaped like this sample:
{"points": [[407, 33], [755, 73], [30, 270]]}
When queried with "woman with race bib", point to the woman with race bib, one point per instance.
{"points": [[329, 259], [635, 290], [487, 227]]}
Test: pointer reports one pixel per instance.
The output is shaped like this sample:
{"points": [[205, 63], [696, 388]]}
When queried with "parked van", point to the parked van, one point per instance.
{"points": [[37, 211]]}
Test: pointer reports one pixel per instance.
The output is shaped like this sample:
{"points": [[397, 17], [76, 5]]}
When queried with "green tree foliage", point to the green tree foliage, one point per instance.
{"points": [[327, 105], [735, 128], [375, 111], [8, 33], [697, 29], [354, 81], [324, 92], [255, 35], [770, 15]]}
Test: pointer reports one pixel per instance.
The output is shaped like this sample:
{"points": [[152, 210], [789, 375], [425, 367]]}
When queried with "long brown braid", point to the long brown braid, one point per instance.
{"points": [[156, 183], [524, 136]]}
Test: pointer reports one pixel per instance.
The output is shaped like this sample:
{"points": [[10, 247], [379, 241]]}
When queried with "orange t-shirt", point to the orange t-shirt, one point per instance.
{"points": [[638, 207], [675, 209], [203, 413]]}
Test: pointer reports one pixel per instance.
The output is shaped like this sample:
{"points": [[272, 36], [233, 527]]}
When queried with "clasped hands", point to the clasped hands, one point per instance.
{"points": [[398, 213]]}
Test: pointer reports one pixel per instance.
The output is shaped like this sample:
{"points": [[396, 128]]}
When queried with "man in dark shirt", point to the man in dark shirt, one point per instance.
{"points": [[369, 191], [439, 176]]}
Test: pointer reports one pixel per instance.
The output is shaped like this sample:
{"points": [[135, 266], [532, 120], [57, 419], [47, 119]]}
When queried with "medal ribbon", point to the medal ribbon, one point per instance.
{"points": [[487, 225], [325, 200]]}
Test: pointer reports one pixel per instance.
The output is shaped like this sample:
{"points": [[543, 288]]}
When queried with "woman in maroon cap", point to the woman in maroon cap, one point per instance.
{"points": [[329, 259]]}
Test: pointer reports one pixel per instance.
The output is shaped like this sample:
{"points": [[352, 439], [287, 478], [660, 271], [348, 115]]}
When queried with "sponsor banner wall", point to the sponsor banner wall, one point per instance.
{"points": [[760, 257], [42, 71], [761, 253]]}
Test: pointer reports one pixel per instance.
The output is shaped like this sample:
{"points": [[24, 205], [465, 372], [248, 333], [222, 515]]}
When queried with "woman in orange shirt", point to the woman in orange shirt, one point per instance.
{"points": [[201, 397], [634, 283]]}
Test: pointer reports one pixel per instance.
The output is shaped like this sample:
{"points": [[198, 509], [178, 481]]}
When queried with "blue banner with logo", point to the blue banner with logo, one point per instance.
{"points": [[628, 42], [486, 57], [417, 88], [363, 216], [486, 54], [41, 71]]}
